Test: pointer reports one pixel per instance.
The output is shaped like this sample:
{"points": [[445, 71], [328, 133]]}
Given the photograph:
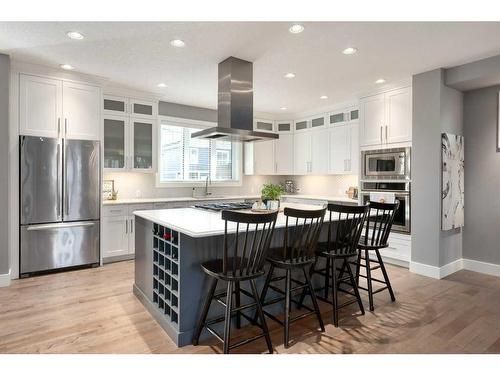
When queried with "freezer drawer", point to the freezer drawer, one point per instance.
{"points": [[51, 246]]}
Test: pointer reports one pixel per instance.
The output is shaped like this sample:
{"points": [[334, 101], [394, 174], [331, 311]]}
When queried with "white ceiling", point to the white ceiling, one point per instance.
{"points": [[139, 55]]}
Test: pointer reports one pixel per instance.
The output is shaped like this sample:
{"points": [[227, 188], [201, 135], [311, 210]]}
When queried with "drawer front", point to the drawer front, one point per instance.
{"points": [[313, 202], [139, 207], [160, 206], [114, 210]]}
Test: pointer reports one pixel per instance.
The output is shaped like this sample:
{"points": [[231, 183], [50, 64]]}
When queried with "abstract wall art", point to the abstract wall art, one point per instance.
{"points": [[452, 192]]}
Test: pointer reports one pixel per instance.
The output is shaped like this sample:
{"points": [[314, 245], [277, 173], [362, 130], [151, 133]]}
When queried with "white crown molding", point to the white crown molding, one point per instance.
{"points": [[5, 279]]}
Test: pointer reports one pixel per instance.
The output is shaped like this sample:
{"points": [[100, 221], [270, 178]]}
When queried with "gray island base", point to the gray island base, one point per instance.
{"points": [[170, 246]]}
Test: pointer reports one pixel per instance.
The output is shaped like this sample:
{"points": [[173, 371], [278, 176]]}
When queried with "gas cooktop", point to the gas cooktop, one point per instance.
{"points": [[224, 206]]}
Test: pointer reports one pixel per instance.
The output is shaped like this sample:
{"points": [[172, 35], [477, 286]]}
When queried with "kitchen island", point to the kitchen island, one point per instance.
{"points": [[170, 246]]}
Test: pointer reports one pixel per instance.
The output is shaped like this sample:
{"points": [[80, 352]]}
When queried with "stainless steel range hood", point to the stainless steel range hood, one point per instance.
{"points": [[235, 105]]}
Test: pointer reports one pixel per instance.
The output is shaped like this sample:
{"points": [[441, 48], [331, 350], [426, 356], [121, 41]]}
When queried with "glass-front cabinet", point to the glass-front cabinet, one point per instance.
{"points": [[115, 142], [142, 144], [115, 105], [128, 144]]}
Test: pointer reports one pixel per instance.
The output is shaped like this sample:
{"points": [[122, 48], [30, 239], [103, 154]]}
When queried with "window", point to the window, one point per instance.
{"points": [[192, 160]]}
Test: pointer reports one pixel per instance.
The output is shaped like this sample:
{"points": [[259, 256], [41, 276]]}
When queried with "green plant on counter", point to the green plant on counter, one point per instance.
{"points": [[271, 192]]}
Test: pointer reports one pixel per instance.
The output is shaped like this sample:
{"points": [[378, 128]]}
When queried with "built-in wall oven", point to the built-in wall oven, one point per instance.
{"points": [[401, 192], [387, 164]]}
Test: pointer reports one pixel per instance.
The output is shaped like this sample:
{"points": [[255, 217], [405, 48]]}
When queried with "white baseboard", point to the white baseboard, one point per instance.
{"points": [[482, 267], [457, 265], [425, 270], [450, 268], [5, 279]]}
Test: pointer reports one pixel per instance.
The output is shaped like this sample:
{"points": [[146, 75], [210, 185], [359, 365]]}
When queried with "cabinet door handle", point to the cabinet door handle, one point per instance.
{"points": [[386, 132], [131, 225], [126, 226], [65, 127], [275, 167], [58, 127], [381, 135]]}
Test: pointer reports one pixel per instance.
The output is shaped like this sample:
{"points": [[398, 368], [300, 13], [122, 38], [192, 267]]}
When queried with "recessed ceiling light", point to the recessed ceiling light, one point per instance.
{"points": [[323, 97], [283, 108], [289, 75], [350, 51], [75, 35], [66, 67], [380, 80], [296, 29], [177, 43], [162, 85]]}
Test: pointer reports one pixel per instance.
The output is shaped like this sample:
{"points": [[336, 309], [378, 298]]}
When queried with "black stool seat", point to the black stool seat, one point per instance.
{"points": [[244, 254], [282, 258], [364, 245], [333, 250], [215, 269]]}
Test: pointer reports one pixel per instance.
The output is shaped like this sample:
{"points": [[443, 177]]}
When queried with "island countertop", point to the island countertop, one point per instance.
{"points": [[203, 223]]}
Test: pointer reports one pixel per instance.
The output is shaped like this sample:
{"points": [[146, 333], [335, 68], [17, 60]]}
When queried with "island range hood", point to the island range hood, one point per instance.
{"points": [[235, 105]]}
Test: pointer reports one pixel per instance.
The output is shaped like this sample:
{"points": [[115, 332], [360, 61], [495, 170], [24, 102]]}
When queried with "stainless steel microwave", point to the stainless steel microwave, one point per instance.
{"points": [[392, 163]]}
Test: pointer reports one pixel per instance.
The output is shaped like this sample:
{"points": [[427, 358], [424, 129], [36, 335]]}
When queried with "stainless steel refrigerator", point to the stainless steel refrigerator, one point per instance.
{"points": [[59, 203]]}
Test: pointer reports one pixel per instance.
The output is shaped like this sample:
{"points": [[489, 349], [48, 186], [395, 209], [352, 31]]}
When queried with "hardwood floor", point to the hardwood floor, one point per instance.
{"points": [[94, 311]]}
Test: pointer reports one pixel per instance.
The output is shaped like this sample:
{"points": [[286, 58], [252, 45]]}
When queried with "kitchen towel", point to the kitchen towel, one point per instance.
{"points": [[382, 197]]}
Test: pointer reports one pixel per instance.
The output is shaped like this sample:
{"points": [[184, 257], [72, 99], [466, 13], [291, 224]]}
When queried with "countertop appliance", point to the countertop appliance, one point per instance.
{"points": [[59, 203], [235, 105], [224, 206], [401, 190], [389, 164]]}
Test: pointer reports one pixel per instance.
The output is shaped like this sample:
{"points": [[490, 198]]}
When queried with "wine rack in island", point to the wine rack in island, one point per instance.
{"points": [[166, 272]]}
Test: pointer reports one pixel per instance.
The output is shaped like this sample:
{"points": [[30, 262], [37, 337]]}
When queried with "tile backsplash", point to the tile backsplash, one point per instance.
{"points": [[142, 185]]}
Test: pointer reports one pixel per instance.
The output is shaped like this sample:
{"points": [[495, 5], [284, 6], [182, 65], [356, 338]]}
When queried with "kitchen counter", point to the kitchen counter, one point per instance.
{"points": [[225, 197], [179, 199]]}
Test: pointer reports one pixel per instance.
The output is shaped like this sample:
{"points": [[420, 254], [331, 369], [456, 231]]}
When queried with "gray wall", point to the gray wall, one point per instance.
{"points": [[187, 111], [436, 109], [4, 163], [482, 176]]}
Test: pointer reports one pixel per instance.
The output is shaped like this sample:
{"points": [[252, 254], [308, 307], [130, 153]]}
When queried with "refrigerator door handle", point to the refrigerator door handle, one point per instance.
{"points": [[58, 182], [59, 225], [66, 185]]}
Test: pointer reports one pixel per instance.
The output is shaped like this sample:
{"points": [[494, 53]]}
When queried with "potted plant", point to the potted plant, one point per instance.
{"points": [[271, 194]]}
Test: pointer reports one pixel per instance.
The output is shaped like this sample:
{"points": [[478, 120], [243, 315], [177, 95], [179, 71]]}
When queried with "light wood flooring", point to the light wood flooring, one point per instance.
{"points": [[94, 311]]}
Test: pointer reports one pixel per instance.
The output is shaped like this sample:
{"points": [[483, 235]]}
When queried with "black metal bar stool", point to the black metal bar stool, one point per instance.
{"points": [[377, 230], [297, 254], [341, 246], [243, 260]]}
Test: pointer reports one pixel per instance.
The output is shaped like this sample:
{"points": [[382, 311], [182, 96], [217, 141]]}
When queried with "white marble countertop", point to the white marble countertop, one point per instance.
{"points": [[224, 197], [203, 223], [179, 199]]}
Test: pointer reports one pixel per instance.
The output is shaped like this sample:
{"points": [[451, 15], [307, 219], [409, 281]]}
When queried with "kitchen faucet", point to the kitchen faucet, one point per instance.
{"points": [[207, 182]]}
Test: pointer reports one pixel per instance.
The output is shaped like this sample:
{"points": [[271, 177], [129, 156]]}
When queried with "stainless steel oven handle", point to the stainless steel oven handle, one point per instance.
{"points": [[59, 225]]}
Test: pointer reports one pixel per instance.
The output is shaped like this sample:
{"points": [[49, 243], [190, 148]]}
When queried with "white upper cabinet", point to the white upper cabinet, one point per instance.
{"points": [[263, 125], [319, 151], [81, 110], [283, 154], [302, 153], [386, 118], [55, 108], [339, 149], [143, 108], [263, 153], [115, 142], [398, 109], [354, 149], [301, 125], [40, 106], [372, 120]]}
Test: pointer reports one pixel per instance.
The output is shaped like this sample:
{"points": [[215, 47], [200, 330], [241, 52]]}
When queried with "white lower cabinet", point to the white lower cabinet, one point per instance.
{"points": [[118, 230]]}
